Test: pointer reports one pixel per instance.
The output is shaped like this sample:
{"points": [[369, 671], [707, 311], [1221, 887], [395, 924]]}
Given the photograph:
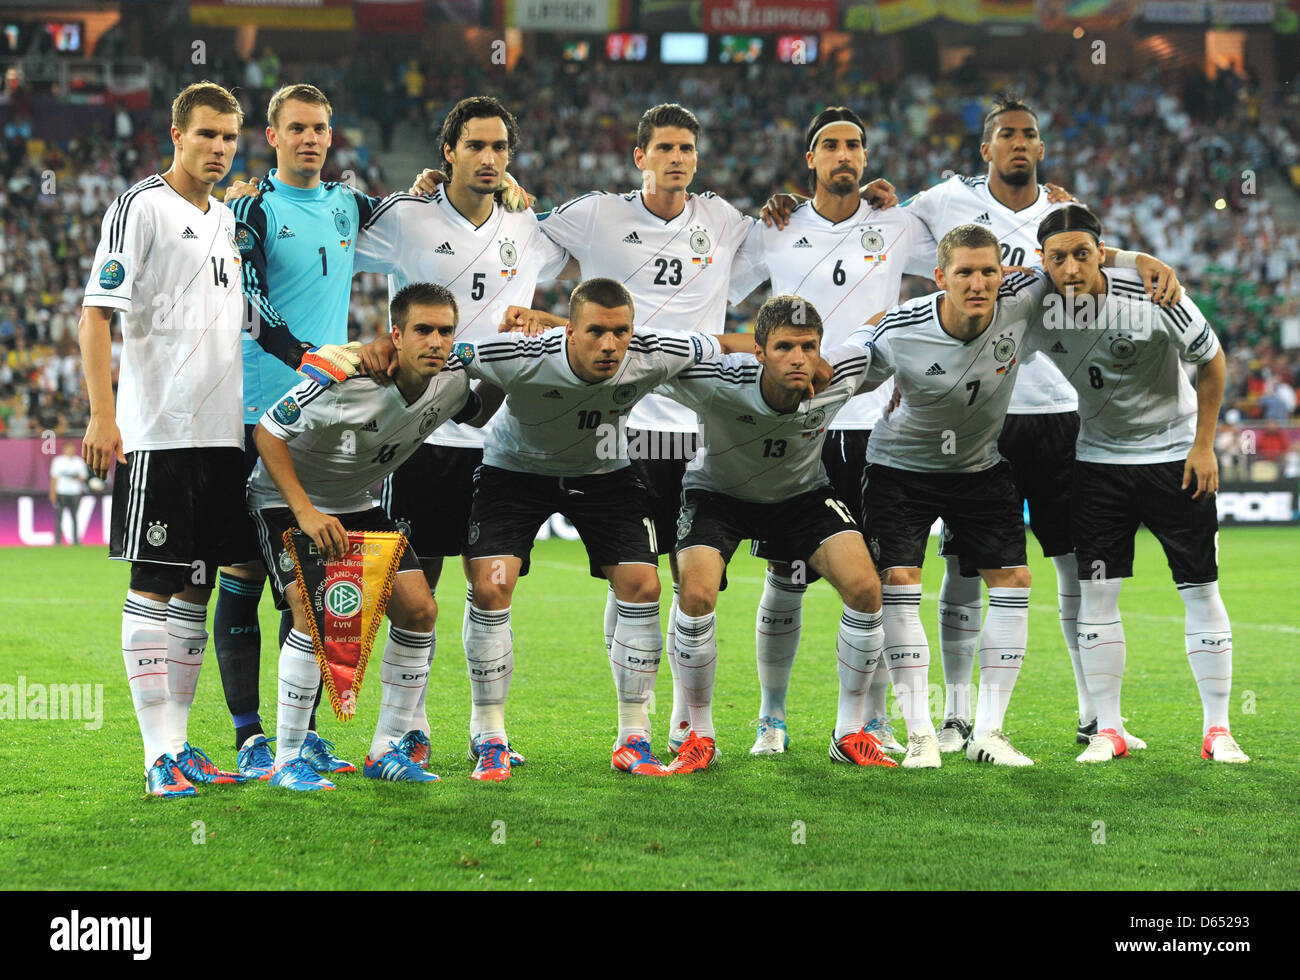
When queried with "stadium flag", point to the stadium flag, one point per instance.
{"points": [[345, 599], [392, 16], [899, 15], [1064, 16], [314, 15]]}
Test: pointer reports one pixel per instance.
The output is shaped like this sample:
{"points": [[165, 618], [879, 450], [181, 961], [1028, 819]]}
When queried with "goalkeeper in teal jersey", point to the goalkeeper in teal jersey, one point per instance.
{"points": [[297, 235]]}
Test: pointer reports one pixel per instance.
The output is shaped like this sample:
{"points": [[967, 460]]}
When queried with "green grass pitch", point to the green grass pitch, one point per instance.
{"points": [[75, 816]]}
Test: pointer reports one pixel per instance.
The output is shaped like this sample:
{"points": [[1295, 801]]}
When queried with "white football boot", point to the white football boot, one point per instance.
{"points": [[953, 734], [996, 748], [1220, 746], [922, 751], [1107, 744], [772, 737]]}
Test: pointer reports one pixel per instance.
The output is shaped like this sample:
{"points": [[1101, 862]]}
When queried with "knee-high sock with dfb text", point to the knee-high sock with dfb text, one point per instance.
{"points": [[405, 675], [907, 653], [776, 640], [187, 638], [1001, 653], [697, 663], [634, 659], [299, 686], [1067, 608], [1102, 648], [857, 653], [1209, 650], [237, 638], [490, 658], [960, 604], [144, 651]]}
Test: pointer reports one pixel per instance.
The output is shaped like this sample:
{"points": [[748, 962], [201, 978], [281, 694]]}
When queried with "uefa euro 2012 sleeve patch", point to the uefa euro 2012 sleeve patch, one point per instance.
{"points": [[112, 274], [464, 351], [287, 412], [243, 240]]}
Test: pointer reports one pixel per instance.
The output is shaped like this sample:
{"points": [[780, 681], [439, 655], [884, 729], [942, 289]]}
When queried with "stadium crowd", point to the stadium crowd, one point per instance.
{"points": [[1172, 165]]}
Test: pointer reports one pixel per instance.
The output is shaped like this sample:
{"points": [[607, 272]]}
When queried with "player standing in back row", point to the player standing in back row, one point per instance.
{"points": [[847, 260], [462, 237], [1145, 454], [168, 263], [673, 251]]}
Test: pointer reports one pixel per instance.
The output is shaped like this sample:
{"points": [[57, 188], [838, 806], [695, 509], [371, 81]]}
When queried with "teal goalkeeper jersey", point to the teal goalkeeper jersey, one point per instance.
{"points": [[298, 248]]}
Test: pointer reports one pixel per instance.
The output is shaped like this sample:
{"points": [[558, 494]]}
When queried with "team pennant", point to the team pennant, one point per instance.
{"points": [[345, 599]]}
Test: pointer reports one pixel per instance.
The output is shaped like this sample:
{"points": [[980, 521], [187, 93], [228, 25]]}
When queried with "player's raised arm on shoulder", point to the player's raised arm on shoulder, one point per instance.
{"points": [[1161, 280], [103, 440], [529, 322], [735, 343], [324, 529], [880, 194], [482, 404]]}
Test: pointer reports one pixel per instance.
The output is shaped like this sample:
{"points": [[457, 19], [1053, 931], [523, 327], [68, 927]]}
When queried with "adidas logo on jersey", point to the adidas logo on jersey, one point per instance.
{"points": [[632, 239], [371, 426], [746, 418], [803, 243], [188, 233], [1059, 348], [445, 249], [553, 393], [984, 219], [284, 232], [934, 370]]}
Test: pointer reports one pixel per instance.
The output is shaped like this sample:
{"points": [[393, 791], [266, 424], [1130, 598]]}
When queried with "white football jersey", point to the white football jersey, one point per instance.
{"points": [[955, 392], [172, 271], [555, 423], [677, 271], [849, 271], [1040, 388], [498, 264], [747, 449], [1123, 358], [348, 437]]}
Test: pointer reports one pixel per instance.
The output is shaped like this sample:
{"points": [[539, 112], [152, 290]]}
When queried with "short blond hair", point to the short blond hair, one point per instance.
{"points": [[208, 94], [964, 236], [299, 93]]}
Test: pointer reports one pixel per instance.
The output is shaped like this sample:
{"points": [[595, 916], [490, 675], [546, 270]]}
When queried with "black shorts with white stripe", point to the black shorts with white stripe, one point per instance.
{"points": [[794, 528], [272, 522], [428, 497], [660, 471], [183, 508], [610, 511], [1111, 499], [900, 507]]}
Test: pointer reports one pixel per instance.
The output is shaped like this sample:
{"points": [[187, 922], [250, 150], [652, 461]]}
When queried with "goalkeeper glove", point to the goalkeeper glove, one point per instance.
{"points": [[330, 362], [514, 197]]}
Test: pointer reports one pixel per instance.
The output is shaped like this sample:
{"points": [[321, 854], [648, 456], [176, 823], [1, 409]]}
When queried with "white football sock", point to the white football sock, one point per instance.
{"points": [[1101, 648], [1209, 649], [187, 638], [1002, 653], [877, 694], [857, 650], [299, 682], [634, 659], [405, 676], [776, 640], [697, 664], [490, 657], [144, 652], [419, 714], [611, 615], [907, 654], [1067, 607], [960, 604], [681, 713], [464, 645]]}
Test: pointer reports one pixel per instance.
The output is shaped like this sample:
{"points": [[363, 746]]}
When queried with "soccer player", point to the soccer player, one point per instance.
{"points": [[847, 260], [560, 444], [955, 356], [168, 263], [297, 235], [462, 237], [1145, 455], [759, 473], [673, 252], [322, 450], [68, 479]]}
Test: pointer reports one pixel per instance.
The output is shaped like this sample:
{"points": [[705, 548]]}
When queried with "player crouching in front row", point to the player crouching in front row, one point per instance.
{"points": [[759, 474], [322, 450]]}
